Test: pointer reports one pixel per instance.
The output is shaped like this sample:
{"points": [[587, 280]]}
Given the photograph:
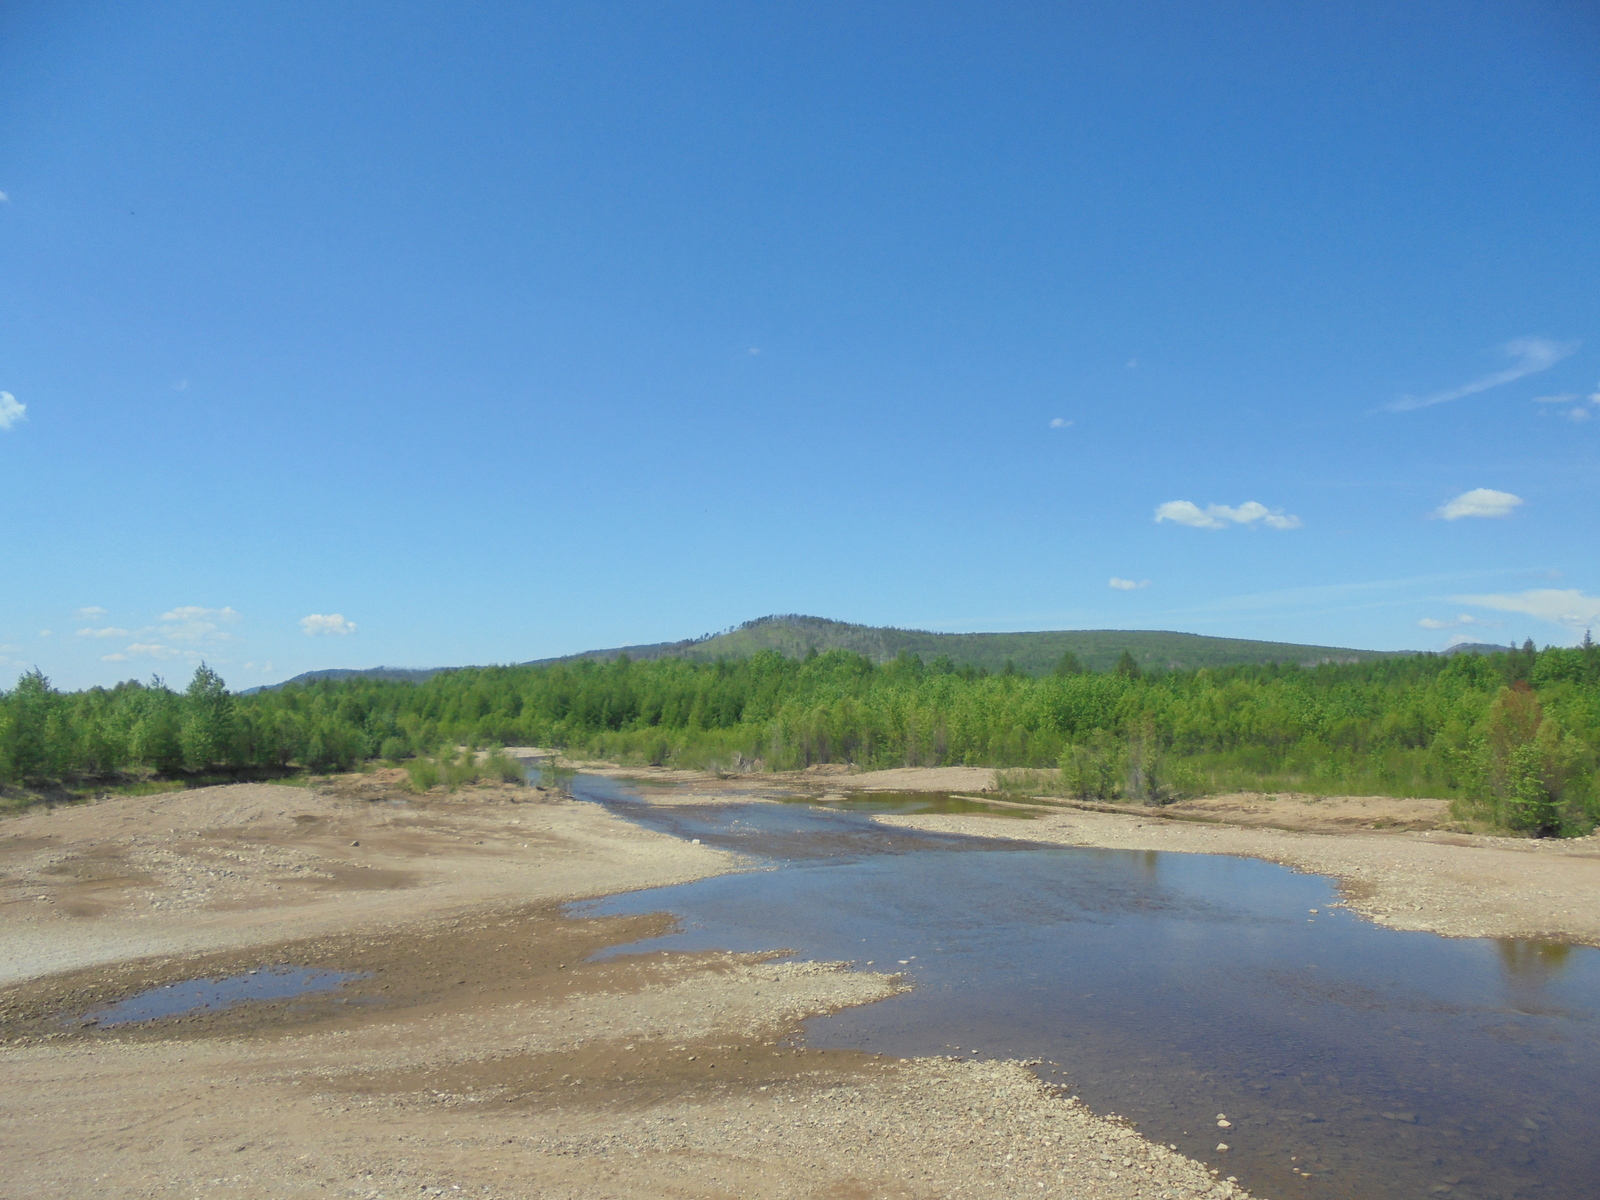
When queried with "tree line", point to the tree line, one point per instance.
{"points": [[1515, 735]]}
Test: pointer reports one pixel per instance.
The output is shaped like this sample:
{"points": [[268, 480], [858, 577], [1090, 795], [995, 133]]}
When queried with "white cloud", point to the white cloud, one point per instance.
{"points": [[1534, 354], [1577, 413], [1479, 502], [1567, 607], [90, 612], [192, 623], [157, 650], [1059, 423], [1128, 585], [753, 350], [46, 632], [113, 658], [4, 199], [10, 411], [1220, 516], [333, 623], [102, 633], [1133, 364], [1463, 619]]}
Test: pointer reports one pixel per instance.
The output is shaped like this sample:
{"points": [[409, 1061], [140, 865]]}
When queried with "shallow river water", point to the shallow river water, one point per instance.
{"points": [[1173, 989]]}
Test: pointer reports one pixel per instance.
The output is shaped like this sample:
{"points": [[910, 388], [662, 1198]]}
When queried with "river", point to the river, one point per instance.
{"points": [[1177, 990]]}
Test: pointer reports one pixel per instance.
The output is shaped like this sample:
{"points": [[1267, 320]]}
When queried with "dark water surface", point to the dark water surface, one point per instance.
{"points": [[1171, 988], [202, 995]]}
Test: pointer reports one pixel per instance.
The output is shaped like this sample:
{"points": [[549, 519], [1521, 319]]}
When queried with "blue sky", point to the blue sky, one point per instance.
{"points": [[337, 335]]}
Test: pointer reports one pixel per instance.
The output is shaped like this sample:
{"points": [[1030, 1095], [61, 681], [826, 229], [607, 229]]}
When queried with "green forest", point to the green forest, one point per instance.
{"points": [[1513, 737]]}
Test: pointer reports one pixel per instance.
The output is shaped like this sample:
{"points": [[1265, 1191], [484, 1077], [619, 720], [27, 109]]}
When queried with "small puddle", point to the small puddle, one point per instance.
{"points": [[1350, 1060], [213, 995]]}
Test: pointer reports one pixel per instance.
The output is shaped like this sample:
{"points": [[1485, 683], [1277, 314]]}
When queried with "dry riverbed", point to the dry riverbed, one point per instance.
{"points": [[478, 1048]]}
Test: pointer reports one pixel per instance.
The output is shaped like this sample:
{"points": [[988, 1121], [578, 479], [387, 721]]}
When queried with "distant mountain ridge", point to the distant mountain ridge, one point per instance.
{"points": [[397, 674], [1033, 653]]}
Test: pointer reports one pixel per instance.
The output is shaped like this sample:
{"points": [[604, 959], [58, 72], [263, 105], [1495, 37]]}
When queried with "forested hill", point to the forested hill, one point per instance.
{"points": [[392, 674], [1029, 653]]}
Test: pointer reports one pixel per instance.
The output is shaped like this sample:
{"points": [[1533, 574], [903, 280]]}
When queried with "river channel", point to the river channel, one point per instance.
{"points": [[1349, 1060]]}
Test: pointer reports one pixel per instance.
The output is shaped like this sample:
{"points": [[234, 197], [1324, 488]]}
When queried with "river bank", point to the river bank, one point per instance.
{"points": [[478, 1047]]}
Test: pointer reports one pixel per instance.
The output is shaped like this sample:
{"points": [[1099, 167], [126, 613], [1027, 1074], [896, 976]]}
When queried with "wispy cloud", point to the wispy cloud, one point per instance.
{"points": [[1059, 423], [11, 411], [329, 623], [1567, 607], [189, 625], [1128, 585], [157, 650], [193, 623], [1580, 411], [1463, 619], [90, 612], [1533, 354], [1479, 502], [1220, 516]]}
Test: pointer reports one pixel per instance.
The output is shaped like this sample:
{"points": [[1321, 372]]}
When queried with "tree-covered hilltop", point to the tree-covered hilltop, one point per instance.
{"points": [[1034, 653], [1516, 733]]}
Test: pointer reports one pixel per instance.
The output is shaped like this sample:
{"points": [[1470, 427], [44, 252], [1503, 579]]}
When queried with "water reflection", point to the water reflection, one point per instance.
{"points": [[1171, 987], [198, 995], [1529, 967]]}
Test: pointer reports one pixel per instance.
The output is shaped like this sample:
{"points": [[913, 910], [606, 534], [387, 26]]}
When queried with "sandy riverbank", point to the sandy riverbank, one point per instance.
{"points": [[480, 1051]]}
